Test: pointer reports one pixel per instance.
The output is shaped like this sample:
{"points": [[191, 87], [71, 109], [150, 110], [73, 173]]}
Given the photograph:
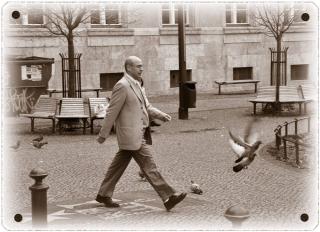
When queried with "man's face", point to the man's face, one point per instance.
{"points": [[135, 69]]}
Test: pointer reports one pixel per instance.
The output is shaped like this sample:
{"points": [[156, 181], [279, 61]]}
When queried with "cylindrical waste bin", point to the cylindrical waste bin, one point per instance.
{"points": [[188, 94]]}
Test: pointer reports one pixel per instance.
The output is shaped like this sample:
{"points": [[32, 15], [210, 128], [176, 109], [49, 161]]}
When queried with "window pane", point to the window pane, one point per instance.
{"points": [[241, 16], [108, 80], [35, 16], [299, 72], [95, 17], [242, 73], [165, 17], [112, 17], [176, 15], [228, 17]]}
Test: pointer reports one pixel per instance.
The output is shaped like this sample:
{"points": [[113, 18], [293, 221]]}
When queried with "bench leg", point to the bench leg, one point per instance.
{"points": [[84, 125], [219, 89], [32, 124], [59, 124], [285, 149], [53, 125], [300, 111], [254, 108], [305, 108], [255, 87], [91, 126], [297, 154]]}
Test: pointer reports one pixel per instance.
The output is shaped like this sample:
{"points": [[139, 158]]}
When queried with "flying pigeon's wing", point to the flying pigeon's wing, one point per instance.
{"points": [[238, 140], [250, 137], [239, 150]]}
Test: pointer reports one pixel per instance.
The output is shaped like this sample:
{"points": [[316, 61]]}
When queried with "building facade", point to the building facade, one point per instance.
{"points": [[222, 43]]}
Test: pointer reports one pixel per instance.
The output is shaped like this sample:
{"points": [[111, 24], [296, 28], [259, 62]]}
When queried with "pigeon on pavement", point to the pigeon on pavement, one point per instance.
{"points": [[16, 146], [38, 139], [195, 188], [244, 148], [39, 144]]}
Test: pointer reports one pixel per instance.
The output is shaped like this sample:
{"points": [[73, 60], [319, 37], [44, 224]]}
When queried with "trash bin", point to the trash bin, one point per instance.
{"points": [[188, 94]]}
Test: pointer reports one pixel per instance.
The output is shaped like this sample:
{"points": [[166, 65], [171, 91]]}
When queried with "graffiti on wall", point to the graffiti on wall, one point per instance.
{"points": [[18, 101]]}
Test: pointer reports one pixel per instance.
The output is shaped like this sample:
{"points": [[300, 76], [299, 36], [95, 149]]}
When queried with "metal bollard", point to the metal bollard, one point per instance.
{"points": [[39, 197], [236, 214]]}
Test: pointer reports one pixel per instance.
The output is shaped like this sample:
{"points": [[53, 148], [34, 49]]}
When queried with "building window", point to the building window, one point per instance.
{"points": [[112, 13], [108, 14], [174, 77], [299, 72], [170, 14], [95, 16], [236, 13], [108, 80], [242, 73], [35, 16]]}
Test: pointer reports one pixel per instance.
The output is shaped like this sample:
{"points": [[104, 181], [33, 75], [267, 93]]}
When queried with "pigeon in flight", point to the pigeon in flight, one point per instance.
{"points": [[16, 146], [38, 144], [195, 188], [38, 139], [244, 148]]}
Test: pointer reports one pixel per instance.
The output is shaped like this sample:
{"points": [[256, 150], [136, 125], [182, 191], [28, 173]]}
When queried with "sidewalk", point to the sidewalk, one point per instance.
{"points": [[276, 194]]}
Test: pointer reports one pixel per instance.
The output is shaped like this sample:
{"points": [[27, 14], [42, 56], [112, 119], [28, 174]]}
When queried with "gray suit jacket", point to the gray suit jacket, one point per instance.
{"points": [[125, 110]]}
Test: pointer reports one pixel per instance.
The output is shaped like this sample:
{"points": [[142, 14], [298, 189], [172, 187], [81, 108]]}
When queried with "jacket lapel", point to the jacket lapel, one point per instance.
{"points": [[134, 88]]}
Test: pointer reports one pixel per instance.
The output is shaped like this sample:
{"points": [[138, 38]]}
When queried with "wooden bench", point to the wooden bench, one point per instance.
{"points": [[97, 90], [255, 82], [287, 95], [70, 109], [45, 108], [93, 103], [309, 93]]}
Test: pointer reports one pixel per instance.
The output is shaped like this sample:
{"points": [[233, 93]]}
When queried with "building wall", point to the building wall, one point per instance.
{"points": [[212, 50]]}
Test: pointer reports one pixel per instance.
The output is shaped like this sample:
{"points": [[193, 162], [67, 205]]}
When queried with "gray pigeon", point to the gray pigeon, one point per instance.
{"points": [[38, 144], [244, 148], [195, 188], [38, 139]]}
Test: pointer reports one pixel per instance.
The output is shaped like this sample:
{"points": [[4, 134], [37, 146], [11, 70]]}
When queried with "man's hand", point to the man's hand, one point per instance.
{"points": [[166, 118], [100, 139]]}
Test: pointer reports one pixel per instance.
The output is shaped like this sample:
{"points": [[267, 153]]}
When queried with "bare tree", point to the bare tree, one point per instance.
{"points": [[275, 20], [64, 20], [67, 20]]}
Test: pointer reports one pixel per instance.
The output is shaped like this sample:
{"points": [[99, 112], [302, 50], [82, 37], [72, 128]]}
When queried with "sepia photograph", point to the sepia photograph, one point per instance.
{"points": [[159, 115]]}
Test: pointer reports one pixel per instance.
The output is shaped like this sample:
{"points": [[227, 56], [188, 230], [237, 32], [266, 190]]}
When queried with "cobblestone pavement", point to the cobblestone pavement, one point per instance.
{"points": [[275, 193]]}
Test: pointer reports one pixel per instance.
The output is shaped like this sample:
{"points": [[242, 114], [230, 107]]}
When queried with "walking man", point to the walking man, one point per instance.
{"points": [[131, 112]]}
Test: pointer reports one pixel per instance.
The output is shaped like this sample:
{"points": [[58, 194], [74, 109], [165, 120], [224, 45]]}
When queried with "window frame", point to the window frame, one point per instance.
{"points": [[234, 13], [173, 10], [103, 17]]}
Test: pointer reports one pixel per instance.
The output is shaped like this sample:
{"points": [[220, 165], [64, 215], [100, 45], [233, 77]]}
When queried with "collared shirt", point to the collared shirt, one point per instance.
{"points": [[145, 117]]}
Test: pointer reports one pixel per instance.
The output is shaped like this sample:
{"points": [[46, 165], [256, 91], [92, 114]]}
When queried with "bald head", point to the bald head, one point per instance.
{"points": [[133, 66]]}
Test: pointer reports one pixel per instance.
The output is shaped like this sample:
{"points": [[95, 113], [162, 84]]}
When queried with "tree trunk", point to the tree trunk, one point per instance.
{"points": [[72, 74], [277, 105]]}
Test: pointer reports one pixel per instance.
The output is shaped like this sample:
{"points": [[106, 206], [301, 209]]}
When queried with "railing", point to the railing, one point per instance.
{"points": [[294, 138]]}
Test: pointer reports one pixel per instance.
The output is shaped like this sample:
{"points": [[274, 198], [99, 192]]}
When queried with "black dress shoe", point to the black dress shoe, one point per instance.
{"points": [[173, 200], [107, 201]]}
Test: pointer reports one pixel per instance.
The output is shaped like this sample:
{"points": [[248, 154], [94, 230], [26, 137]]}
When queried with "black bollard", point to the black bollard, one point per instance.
{"points": [[39, 197], [236, 214]]}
